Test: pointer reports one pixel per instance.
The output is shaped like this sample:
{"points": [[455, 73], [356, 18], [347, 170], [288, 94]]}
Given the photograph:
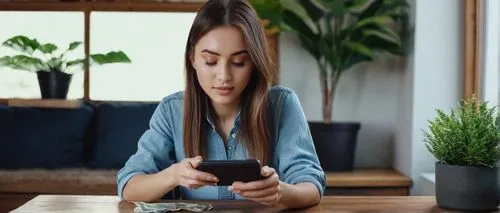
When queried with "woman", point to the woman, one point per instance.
{"points": [[227, 112]]}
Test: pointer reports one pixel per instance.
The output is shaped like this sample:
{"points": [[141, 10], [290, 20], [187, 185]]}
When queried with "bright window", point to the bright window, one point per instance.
{"points": [[60, 28], [155, 42]]}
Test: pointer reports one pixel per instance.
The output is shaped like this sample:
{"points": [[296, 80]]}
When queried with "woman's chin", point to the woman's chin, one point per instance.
{"points": [[222, 100]]}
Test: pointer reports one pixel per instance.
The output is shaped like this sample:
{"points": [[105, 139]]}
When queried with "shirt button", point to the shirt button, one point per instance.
{"points": [[233, 135], [230, 147]]}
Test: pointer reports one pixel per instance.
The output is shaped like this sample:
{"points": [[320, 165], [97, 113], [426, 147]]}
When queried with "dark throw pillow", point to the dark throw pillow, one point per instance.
{"points": [[119, 127], [45, 138]]}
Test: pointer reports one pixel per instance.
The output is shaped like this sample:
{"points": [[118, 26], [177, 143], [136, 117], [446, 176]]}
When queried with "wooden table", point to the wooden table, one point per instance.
{"points": [[111, 204]]}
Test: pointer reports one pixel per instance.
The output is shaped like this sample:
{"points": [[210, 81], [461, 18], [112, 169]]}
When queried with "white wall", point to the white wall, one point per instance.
{"points": [[491, 67], [436, 76]]}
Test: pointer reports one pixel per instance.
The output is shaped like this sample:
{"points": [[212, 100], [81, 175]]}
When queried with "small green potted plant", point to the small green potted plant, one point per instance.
{"points": [[340, 34], [54, 71], [465, 143]]}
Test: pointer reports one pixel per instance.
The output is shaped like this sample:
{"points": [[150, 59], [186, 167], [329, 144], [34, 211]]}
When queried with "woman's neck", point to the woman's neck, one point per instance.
{"points": [[225, 113]]}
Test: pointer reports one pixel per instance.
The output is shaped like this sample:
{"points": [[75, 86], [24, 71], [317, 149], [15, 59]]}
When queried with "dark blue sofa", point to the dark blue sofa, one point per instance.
{"points": [[68, 151]]}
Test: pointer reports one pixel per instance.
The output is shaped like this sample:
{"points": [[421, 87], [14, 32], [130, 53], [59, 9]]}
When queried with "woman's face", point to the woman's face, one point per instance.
{"points": [[222, 64]]}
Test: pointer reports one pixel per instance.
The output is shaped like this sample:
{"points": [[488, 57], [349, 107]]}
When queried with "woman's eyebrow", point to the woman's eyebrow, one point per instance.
{"points": [[218, 54]]}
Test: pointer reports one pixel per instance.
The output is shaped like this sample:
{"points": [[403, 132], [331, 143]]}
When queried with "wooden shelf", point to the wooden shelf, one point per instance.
{"points": [[367, 178], [101, 6], [42, 103]]}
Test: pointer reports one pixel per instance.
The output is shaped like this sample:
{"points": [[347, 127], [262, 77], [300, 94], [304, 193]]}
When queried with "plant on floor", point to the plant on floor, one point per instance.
{"points": [[340, 34], [48, 60], [467, 136]]}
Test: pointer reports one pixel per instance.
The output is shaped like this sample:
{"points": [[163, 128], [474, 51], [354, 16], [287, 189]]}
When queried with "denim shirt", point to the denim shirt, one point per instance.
{"points": [[294, 158]]}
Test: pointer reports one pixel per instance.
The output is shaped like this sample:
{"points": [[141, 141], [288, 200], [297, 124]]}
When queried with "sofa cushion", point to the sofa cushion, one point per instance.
{"points": [[6, 133], [46, 138], [119, 127]]}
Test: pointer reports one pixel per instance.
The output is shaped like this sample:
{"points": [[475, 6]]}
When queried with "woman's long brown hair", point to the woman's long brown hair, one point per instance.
{"points": [[254, 126]]}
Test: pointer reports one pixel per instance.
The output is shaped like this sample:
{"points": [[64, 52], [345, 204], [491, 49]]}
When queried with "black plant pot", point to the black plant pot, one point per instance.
{"points": [[53, 84], [335, 144], [467, 188]]}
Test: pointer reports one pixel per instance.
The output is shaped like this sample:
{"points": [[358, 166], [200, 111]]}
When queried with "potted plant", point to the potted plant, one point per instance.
{"points": [[340, 34], [54, 71], [465, 143]]}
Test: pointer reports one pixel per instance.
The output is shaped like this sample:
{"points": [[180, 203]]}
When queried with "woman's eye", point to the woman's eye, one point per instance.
{"points": [[210, 63], [239, 64]]}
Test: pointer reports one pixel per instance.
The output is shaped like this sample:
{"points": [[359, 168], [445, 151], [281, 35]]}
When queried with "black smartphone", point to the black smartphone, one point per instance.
{"points": [[229, 171]]}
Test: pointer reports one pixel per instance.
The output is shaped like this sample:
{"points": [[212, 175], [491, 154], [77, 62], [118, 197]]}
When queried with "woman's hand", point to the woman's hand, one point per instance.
{"points": [[266, 191], [185, 174]]}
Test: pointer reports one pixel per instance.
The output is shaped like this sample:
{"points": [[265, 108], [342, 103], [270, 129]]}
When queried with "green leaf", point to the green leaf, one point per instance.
{"points": [[4, 61], [381, 45], [337, 7], [393, 7], [309, 46], [313, 11], [372, 10], [111, 57], [55, 63], [385, 34], [357, 6], [22, 44], [74, 45], [359, 48], [48, 48], [376, 20], [467, 136], [324, 49], [22, 62], [297, 24], [355, 59], [78, 62], [74, 62]]}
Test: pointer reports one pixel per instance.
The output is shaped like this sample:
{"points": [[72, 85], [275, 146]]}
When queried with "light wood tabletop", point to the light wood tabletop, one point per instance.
{"points": [[111, 204]]}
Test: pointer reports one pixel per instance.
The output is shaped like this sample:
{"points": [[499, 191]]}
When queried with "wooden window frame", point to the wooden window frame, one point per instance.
{"points": [[474, 47], [120, 6]]}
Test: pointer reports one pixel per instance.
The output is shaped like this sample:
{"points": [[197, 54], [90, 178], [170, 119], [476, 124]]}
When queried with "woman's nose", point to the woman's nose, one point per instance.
{"points": [[224, 73]]}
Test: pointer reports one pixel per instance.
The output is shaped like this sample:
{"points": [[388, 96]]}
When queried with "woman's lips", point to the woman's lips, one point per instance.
{"points": [[223, 90]]}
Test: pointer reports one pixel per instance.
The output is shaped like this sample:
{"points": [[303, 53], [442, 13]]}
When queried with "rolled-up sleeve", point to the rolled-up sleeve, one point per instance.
{"points": [[155, 148], [295, 151]]}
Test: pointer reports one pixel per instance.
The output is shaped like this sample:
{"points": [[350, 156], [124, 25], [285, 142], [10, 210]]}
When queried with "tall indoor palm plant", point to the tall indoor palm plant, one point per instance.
{"points": [[340, 34]]}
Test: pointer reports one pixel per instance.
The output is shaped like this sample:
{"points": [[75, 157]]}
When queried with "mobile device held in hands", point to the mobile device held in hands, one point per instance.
{"points": [[229, 171]]}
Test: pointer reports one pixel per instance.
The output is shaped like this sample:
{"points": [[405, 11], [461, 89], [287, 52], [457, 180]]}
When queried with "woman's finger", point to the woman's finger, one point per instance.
{"points": [[259, 193], [256, 185], [194, 184], [199, 175]]}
